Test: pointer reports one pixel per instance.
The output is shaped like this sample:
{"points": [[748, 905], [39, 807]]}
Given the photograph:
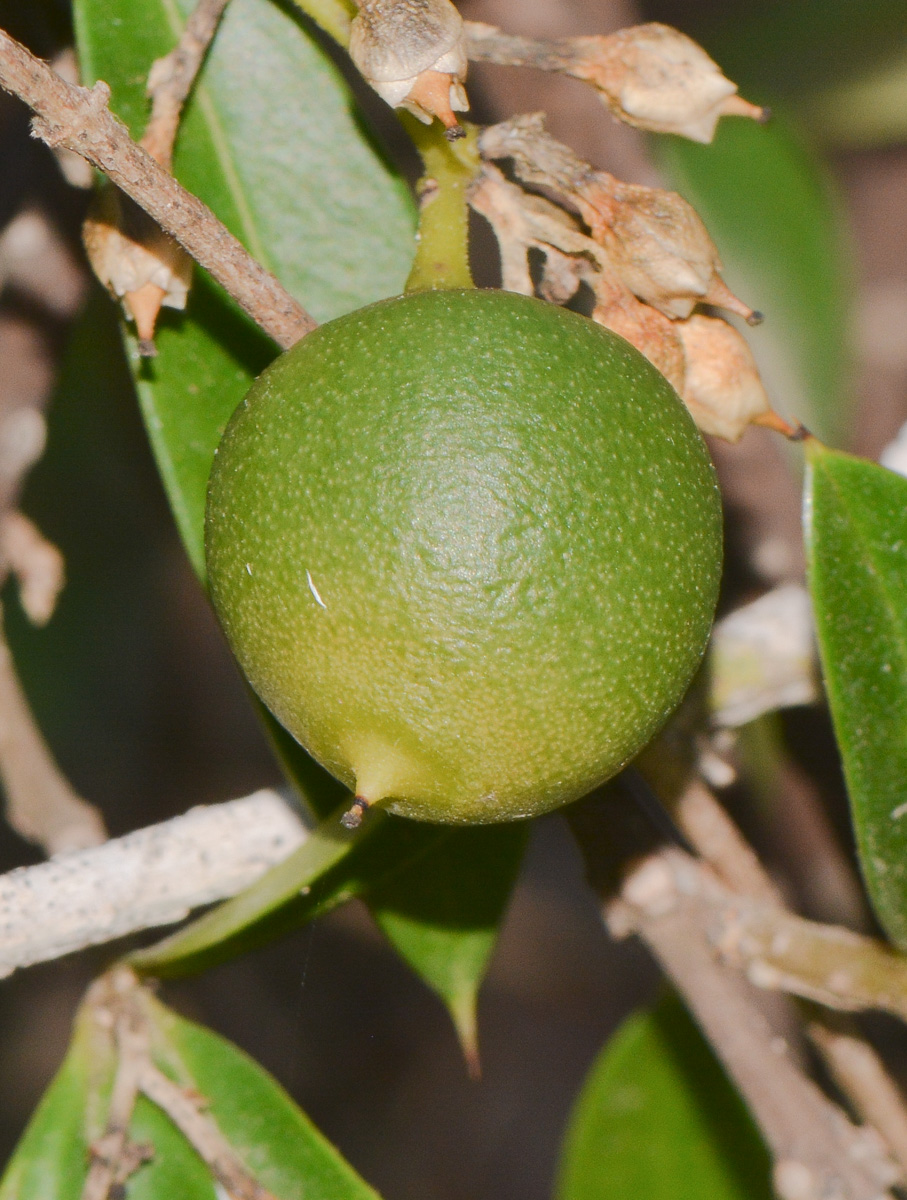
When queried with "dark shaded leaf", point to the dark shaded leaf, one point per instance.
{"points": [[856, 530], [443, 912], [790, 48], [657, 1118]]}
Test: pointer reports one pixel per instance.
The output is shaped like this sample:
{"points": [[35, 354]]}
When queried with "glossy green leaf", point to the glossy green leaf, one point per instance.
{"points": [[774, 216], [856, 529], [657, 1118], [276, 1141], [272, 143], [443, 913], [49, 1161]]}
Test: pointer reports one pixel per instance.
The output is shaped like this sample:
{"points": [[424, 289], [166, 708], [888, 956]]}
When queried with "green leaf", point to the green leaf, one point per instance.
{"points": [[275, 1139], [443, 912], [272, 1136], [286, 896], [657, 1118], [271, 141], [856, 532], [776, 220], [49, 1161], [175, 1170]]}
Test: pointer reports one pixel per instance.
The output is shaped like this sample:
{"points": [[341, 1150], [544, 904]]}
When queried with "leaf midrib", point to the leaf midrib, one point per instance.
{"points": [[249, 235]]}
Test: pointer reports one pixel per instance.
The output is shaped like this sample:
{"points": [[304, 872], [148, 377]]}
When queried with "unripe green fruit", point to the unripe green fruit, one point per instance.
{"points": [[466, 547]]}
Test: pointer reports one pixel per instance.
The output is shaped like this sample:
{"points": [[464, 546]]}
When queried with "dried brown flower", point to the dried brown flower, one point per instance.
{"points": [[652, 333], [722, 390], [656, 78], [136, 261], [413, 53]]}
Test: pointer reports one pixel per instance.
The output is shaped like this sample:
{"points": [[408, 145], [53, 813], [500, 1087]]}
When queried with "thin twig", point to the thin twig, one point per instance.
{"points": [[114, 1156], [862, 1077], [488, 43], [36, 563], [857, 1069], [171, 78], [817, 1152], [715, 836], [648, 57], [200, 1130], [150, 878], [79, 119], [118, 1002], [825, 963], [41, 805]]}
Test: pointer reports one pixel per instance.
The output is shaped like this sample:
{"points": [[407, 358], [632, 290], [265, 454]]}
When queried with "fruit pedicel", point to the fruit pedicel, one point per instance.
{"points": [[466, 546]]}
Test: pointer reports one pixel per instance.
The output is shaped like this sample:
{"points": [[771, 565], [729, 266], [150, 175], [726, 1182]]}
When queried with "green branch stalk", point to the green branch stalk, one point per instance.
{"points": [[442, 246]]}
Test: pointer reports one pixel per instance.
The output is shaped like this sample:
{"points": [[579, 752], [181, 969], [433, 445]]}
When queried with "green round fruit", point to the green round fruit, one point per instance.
{"points": [[466, 547]]}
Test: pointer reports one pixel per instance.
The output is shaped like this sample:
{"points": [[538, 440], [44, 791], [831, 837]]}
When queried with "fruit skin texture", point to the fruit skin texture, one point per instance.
{"points": [[466, 546]]}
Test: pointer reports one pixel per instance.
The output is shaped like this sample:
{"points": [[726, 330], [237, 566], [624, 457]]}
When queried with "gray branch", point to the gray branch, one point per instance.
{"points": [[153, 877]]}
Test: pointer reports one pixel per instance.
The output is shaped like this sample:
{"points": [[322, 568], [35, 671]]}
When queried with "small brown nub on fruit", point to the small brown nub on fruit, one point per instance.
{"points": [[352, 818]]}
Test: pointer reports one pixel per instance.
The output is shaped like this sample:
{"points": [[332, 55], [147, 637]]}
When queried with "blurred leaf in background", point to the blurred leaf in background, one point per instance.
{"points": [[657, 1118]]}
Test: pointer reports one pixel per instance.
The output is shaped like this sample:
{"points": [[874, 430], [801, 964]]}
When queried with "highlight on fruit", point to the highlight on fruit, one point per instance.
{"points": [[466, 547]]}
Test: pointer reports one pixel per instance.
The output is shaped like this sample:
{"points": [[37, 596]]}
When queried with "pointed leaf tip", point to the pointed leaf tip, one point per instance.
{"points": [[442, 915]]}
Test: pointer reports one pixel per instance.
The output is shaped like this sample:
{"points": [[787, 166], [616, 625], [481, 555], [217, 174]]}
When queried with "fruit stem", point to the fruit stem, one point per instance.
{"points": [[442, 241], [352, 818]]}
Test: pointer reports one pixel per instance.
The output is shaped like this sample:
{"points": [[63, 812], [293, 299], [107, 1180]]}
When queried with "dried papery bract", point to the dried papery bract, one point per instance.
{"points": [[523, 222], [653, 239], [656, 78], [644, 327], [658, 245], [136, 261], [413, 53], [649, 76], [722, 390]]}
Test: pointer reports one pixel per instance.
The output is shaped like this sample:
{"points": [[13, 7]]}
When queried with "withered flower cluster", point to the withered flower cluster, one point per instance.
{"points": [[643, 252], [413, 53]]}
